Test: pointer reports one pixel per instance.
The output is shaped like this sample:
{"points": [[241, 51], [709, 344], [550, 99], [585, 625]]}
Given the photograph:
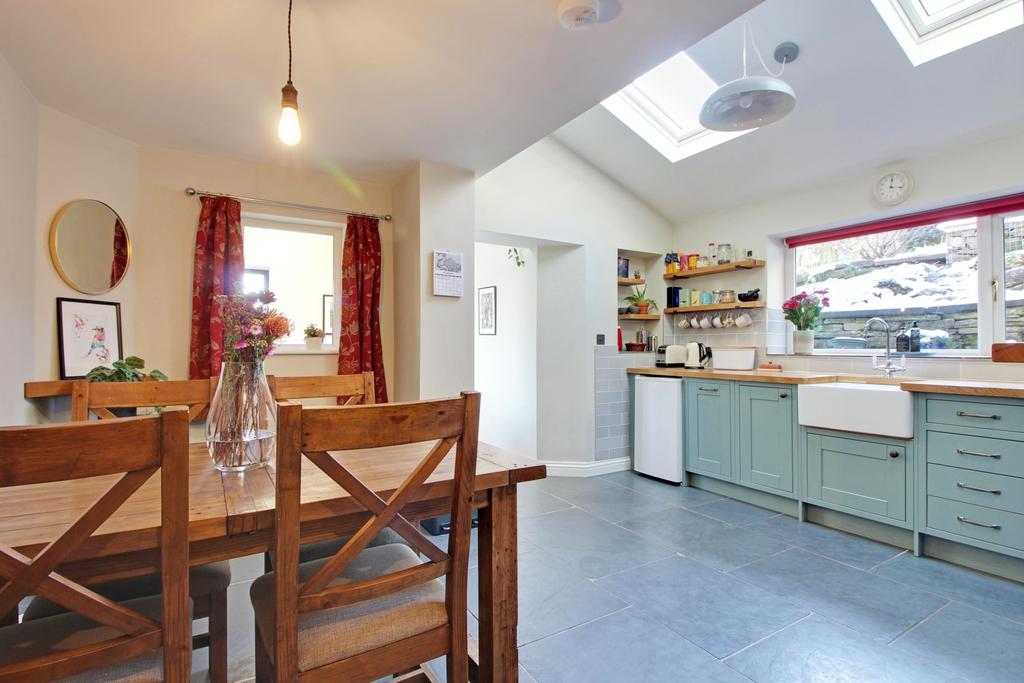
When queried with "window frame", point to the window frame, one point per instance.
{"points": [[305, 225], [991, 293]]}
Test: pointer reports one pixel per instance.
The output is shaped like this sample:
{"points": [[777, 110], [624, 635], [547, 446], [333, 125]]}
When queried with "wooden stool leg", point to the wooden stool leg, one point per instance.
{"points": [[218, 627]]}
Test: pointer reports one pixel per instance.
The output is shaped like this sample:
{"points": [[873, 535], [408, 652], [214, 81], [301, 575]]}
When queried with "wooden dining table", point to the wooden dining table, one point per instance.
{"points": [[232, 515]]}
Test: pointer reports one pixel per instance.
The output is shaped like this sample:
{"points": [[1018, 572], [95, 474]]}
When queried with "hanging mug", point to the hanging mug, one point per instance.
{"points": [[744, 320], [684, 323], [705, 324], [729, 322], [717, 321]]}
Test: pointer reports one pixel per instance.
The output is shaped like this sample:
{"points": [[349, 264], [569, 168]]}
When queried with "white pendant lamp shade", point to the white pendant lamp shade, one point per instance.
{"points": [[748, 102]]}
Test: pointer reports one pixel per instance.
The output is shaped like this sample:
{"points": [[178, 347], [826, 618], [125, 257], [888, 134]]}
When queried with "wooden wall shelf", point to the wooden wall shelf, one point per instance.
{"points": [[626, 281], [640, 316], [717, 307], [748, 264]]}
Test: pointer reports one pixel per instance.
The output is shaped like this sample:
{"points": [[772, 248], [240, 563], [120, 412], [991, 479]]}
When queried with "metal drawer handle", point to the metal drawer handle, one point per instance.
{"points": [[979, 454], [964, 520], [968, 487], [983, 416], [713, 390]]}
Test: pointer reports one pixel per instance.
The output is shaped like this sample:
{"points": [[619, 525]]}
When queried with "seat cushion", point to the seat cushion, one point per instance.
{"points": [[322, 549], [67, 631], [326, 636], [202, 581]]}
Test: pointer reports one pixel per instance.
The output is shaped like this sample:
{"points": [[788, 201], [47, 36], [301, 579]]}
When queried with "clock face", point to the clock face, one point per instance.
{"points": [[893, 188]]}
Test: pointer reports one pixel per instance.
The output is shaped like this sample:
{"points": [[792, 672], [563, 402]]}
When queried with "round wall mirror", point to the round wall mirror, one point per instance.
{"points": [[89, 246]]}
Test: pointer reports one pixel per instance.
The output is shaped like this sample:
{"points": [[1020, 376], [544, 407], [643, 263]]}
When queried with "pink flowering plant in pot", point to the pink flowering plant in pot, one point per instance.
{"points": [[804, 311], [241, 427]]}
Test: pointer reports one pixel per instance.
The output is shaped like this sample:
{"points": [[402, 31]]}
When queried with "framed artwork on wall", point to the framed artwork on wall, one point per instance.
{"points": [[88, 334], [487, 313]]}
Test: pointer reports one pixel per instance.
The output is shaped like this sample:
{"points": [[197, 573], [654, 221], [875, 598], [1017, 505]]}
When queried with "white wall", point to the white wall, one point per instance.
{"points": [[146, 187], [548, 194], [506, 363], [19, 122]]}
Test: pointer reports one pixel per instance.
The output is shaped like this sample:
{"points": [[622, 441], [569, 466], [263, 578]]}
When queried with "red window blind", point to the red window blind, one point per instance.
{"points": [[986, 207]]}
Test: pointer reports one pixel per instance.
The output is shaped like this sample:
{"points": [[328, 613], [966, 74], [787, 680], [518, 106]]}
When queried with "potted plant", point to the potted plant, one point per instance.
{"points": [[640, 300], [804, 311], [314, 337], [128, 370]]}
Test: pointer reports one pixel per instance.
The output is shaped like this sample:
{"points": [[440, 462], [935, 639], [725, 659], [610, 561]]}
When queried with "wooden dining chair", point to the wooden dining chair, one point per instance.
{"points": [[143, 639], [367, 612], [357, 389], [209, 583]]}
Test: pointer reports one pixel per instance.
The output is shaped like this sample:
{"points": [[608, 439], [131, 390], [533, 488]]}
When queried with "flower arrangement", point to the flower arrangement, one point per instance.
{"points": [[252, 328], [804, 310]]}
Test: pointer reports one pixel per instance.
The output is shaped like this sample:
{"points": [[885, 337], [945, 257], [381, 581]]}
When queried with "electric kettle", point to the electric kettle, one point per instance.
{"points": [[697, 355]]}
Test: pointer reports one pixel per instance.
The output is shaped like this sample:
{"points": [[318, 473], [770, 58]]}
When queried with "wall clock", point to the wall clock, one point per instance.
{"points": [[893, 187]]}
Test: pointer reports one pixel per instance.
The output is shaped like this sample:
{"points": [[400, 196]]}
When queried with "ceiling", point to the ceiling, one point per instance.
{"points": [[381, 84], [860, 105]]}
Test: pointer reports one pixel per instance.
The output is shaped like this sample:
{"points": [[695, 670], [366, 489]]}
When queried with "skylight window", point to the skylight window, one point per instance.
{"points": [[663, 106], [927, 29]]}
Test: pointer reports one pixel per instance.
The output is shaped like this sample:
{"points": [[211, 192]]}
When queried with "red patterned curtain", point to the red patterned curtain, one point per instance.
{"points": [[218, 268], [120, 262], [359, 340]]}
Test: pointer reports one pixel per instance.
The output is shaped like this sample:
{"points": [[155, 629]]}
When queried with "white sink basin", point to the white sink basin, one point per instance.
{"points": [[880, 409]]}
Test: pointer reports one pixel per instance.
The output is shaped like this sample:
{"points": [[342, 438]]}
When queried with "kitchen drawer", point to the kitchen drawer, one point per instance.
{"points": [[982, 453], [977, 522], [980, 488], [1009, 418]]}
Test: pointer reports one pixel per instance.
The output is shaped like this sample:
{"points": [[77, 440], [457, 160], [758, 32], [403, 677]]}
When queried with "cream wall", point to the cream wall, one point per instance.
{"points": [[986, 169], [408, 266], [549, 195], [146, 187], [19, 123]]}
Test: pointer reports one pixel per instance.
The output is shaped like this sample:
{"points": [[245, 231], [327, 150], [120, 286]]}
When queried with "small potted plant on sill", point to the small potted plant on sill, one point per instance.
{"points": [[128, 370], [314, 337], [804, 311], [640, 300]]}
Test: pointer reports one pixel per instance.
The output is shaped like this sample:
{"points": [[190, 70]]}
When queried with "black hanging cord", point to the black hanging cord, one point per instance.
{"points": [[289, 41]]}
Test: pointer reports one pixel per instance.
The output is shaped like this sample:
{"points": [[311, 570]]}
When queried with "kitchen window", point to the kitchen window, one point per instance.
{"points": [[300, 261], [956, 274]]}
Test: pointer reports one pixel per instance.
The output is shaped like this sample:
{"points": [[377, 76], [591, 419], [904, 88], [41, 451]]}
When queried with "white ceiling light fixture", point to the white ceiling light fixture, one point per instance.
{"points": [[752, 101], [578, 14], [288, 127]]}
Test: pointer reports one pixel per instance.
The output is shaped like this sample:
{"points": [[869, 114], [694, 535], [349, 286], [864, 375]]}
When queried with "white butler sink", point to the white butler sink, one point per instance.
{"points": [[880, 409]]}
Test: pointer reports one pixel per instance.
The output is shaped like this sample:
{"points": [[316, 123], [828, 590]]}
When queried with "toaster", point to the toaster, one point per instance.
{"points": [[674, 356]]}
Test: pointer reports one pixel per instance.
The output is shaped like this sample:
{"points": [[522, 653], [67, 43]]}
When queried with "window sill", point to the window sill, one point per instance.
{"points": [[303, 351], [842, 353]]}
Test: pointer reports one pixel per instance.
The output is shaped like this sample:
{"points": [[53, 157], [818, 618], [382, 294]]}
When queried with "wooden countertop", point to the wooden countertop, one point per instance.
{"points": [[966, 387], [740, 375]]}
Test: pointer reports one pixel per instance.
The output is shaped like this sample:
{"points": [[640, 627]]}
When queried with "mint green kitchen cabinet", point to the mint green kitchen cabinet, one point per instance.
{"points": [[766, 427], [709, 428], [858, 474]]}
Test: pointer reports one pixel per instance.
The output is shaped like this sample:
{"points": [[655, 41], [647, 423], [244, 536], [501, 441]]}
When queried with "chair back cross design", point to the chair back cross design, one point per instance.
{"points": [[313, 432], [135, 448]]}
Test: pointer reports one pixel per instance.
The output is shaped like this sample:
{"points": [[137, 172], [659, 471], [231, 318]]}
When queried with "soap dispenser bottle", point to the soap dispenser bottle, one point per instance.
{"points": [[915, 338], [903, 340]]}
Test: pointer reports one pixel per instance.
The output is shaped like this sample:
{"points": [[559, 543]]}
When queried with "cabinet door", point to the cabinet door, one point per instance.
{"points": [[709, 428], [855, 475], [766, 436]]}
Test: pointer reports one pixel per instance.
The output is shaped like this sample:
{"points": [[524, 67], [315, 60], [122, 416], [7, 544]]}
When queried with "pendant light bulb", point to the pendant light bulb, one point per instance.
{"points": [[288, 127]]}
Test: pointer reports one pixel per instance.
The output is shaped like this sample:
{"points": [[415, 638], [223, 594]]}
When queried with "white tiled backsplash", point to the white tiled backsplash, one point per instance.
{"points": [[611, 399]]}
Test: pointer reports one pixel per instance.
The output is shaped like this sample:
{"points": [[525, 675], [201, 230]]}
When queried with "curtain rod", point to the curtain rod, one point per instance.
{"points": [[192, 192]]}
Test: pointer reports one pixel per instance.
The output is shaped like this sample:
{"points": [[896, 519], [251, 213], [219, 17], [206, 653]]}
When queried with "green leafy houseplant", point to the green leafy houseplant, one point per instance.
{"points": [[128, 370], [640, 300], [313, 331]]}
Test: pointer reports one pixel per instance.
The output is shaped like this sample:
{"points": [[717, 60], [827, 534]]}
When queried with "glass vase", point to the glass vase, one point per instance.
{"points": [[241, 427]]}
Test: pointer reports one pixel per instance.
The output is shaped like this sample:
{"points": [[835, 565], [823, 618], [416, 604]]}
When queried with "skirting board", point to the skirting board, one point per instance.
{"points": [[566, 468]]}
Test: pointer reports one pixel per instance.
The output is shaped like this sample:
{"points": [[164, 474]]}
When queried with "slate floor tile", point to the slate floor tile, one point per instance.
{"points": [[709, 540], [562, 487], [613, 503], [686, 496], [818, 649], [735, 511], [533, 501], [986, 592], [979, 645], [591, 546], [619, 648], [716, 611], [871, 604], [552, 597], [857, 551]]}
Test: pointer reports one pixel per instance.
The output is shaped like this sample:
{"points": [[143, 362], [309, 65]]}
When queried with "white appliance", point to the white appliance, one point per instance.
{"points": [[658, 427], [697, 356]]}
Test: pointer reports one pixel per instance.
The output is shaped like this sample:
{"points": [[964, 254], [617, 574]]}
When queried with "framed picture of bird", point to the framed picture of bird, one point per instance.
{"points": [[88, 335]]}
